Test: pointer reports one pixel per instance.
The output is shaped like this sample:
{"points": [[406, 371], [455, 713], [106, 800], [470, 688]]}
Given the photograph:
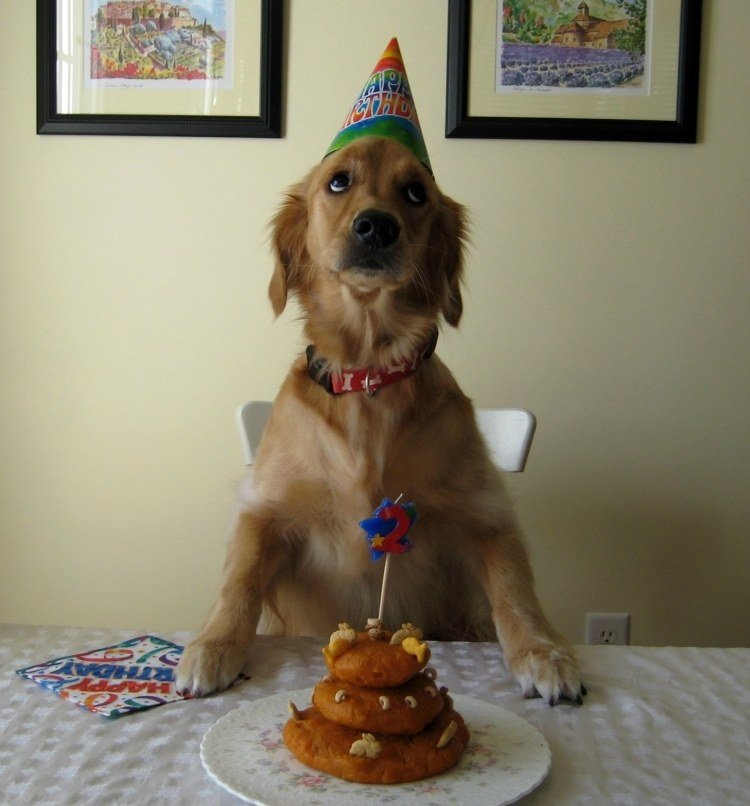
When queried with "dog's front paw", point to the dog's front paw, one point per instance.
{"points": [[209, 665], [548, 670]]}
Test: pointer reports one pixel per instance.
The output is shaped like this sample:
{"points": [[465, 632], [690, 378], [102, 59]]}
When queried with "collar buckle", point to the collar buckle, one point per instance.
{"points": [[368, 390]]}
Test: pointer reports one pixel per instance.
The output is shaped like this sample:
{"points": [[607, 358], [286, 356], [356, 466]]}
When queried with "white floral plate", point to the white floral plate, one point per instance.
{"points": [[244, 752]]}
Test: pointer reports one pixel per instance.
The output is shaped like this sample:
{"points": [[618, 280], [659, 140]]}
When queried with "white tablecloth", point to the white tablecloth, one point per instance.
{"points": [[659, 726]]}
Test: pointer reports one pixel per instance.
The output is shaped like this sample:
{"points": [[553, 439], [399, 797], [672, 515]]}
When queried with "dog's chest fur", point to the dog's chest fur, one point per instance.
{"points": [[347, 472]]}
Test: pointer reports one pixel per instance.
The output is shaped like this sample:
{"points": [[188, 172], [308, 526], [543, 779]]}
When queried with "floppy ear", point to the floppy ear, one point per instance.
{"points": [[449, 236], [288, 236]]}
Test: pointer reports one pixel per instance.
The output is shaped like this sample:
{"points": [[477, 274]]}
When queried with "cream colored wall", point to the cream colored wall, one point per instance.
{"points": [[608, 291]]}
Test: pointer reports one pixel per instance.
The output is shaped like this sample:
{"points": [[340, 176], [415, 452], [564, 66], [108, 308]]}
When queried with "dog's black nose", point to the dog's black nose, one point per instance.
{"points": [[376, 229]]}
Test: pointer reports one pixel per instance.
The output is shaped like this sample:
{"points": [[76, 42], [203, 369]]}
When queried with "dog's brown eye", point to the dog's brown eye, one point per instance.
{"points": [[339, 182], [415, 193]]}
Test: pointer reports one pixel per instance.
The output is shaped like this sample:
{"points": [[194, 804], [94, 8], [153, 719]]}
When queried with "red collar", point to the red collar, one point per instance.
{"points": [[369, 379]]}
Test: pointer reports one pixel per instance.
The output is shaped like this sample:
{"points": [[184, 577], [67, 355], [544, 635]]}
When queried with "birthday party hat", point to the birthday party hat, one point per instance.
{"points": [[385, 108]]}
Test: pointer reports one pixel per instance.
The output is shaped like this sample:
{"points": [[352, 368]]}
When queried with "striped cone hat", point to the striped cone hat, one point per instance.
{"points": [[385, 108]]}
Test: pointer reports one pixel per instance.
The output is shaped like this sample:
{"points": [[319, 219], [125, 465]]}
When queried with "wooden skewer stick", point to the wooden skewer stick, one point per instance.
{"points": [[386, 569]]}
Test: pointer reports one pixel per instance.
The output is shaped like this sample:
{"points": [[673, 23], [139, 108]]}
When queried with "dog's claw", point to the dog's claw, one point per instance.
{"points": [[564, 697]]}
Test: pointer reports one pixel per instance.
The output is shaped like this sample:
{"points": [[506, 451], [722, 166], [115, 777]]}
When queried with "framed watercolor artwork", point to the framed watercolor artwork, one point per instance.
{"points": [[206, 68], [574, 69]]}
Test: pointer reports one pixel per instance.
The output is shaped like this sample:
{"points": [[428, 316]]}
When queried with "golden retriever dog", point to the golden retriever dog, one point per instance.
{"points": [[373, 252]]}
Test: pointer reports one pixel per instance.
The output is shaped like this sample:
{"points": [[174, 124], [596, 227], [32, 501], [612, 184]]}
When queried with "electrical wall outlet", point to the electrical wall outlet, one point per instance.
{"points": [[608, 628]]}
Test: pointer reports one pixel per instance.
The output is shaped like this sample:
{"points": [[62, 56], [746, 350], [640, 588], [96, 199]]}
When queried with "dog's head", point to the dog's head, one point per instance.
{"points": [[369, 230]]}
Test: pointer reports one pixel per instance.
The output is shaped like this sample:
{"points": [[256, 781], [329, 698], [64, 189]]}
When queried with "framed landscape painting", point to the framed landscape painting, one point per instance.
{"points": [[574, 69], [157, 67]]}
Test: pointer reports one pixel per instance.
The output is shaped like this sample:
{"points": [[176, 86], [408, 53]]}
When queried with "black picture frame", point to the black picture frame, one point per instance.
{"points": [[460, 124], [268, 123]]}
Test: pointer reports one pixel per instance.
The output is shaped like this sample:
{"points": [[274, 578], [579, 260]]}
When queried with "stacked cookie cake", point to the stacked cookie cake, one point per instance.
{"points": [[378, 717]]}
